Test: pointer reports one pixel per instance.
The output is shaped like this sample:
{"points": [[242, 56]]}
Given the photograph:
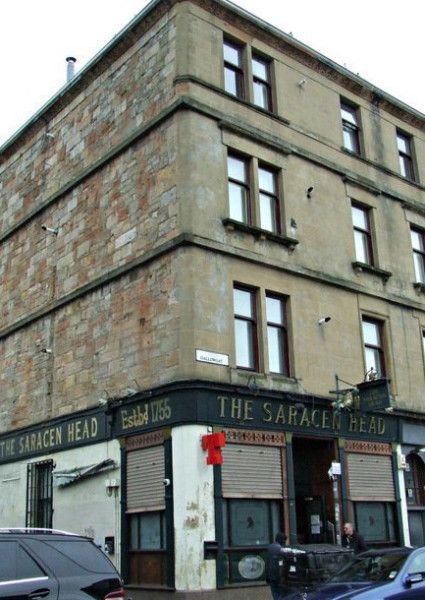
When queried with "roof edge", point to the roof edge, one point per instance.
{"points": [[288, 39]]}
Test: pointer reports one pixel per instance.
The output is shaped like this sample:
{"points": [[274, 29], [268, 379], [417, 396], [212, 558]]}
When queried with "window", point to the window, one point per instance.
{"points": [[40, 494], [252, 84], [350, 127], [276, 334], [245, 189], [418, 564], [16, 564], [244, 301], [233, 69], [423, 343], [404, 146], [362, 234], [239, 193], [373, 346], [269, 201], [261, 82], [414, 479], [147, 548], [418, 246], [249, 526], [376, 521]]}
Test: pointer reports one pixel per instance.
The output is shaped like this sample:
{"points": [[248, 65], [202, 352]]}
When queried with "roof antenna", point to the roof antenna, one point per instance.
{"points": [[70, 68]]}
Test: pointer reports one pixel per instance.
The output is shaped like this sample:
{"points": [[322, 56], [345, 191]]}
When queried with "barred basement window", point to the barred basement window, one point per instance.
{"points": [[39, 511]]}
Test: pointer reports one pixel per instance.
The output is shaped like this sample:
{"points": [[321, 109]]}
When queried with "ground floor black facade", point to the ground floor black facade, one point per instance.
{"points": [[290, 462]]}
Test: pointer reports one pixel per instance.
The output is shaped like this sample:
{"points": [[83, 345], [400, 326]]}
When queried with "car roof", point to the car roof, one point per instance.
{"points": [[39, 531]]}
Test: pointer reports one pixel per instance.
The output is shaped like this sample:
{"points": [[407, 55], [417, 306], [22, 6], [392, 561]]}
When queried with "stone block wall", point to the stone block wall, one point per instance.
{"points": [[122, 211], [122, 334], [128, 94]]}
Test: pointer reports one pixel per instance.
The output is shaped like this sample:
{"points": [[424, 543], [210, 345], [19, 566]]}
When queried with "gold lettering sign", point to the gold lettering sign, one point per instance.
{"points": [[49, 439], [147, 413], [240, 410]]}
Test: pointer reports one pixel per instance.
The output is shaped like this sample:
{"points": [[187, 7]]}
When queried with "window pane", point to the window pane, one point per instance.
{"points": [[406, 168], [351, 141], [231, 81], [242, 300], [349, 114], [276, 349], [360, 218], [260, 68], [362, 247], [26, 567], [274, 310], [261, 95], [236, 168], [419, 261], [266, 180], [417, 240], [8, 560], [150, 538], [249, 522], [238, 202], [373, 360], [268, 219], [232, 54], [403, 144], [134, 532], [371, 333], [244, 344], [372, 521]]}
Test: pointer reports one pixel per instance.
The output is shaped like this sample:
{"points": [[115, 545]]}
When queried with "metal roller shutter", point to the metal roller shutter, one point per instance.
{"points": [[252, 471], [145, 479], [370, 477]]}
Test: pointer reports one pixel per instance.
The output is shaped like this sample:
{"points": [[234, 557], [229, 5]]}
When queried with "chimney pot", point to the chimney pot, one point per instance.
{"points": [[71, 60]]}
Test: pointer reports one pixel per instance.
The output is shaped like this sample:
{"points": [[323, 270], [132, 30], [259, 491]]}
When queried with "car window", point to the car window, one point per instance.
{"points": [[15, 563], [70, 557], [7, 560], [26, 567], [418, 564], [376, 567]]}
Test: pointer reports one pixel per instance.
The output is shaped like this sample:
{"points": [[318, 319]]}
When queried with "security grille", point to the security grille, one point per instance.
{"points": [[370, 477], [252, 471], [39, 511], [145, 479]]}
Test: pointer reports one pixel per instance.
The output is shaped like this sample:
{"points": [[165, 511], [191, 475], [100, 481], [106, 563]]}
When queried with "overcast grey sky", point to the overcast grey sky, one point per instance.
{"points": [[381, 40]]}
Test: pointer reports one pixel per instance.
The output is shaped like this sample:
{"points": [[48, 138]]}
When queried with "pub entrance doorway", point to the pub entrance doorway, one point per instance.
{"points": [[313, 490]]}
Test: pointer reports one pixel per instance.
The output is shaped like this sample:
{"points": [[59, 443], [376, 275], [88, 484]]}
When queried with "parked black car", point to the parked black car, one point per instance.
{"points": [[55, 565]]}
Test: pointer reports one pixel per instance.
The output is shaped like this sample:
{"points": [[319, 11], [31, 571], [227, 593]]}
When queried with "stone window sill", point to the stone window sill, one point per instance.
{"points": [[419, 287], [364, 267], [260, 234]]}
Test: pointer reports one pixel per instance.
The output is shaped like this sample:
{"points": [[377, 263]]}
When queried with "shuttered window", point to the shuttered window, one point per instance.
{"points": [[145, 479], [252, 471], [370, 477]]}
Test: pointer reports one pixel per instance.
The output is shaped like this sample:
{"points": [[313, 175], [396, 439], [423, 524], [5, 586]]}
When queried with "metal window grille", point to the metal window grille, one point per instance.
{"points": [[39, 512]]}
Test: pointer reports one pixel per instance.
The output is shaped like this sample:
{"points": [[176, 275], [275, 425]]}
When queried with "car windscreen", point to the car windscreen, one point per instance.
{"points": [[376, 567], [69, 557]]}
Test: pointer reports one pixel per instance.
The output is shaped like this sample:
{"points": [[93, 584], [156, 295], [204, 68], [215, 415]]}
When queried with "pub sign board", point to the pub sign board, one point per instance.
{"points": [[54, 436], [374, 395], [236, 410]]}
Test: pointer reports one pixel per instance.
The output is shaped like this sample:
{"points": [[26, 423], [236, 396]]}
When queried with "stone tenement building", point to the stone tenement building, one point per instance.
{"points": [[213, 228]]}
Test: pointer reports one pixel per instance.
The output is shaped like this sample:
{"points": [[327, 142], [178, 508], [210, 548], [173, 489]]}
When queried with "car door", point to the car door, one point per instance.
{"points": [[21, 577], [413, 579]]}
